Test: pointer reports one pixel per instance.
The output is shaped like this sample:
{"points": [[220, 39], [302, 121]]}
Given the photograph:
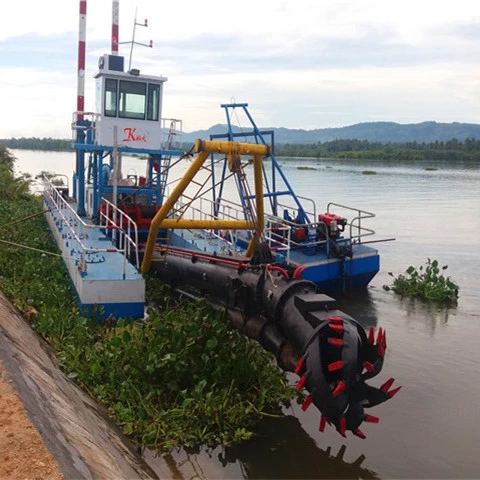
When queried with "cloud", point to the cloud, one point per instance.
{"points": [[303, 64], [35, 104]]}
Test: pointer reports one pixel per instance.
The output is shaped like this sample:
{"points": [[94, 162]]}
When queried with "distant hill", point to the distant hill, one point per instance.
{"points": [[384, 132]]}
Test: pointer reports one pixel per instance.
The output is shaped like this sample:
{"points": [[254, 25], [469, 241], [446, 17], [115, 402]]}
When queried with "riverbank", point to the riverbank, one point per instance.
{"points": [[22, 451], [74, 429]]}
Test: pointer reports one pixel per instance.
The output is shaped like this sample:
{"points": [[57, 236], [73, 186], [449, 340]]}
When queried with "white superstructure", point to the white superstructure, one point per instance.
{"points": [[130, 101]]}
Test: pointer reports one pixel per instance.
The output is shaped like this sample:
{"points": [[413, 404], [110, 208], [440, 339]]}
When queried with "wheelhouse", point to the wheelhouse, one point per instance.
{"points": [[128, 103]]}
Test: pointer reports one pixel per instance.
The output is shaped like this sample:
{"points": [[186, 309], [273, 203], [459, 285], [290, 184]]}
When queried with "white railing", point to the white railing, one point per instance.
{"points": [[311, 213], [117, 221], [172, 130], [203, 209], [90, 116], [281, 234], [356, 230], [278, 232], [77, 229]]}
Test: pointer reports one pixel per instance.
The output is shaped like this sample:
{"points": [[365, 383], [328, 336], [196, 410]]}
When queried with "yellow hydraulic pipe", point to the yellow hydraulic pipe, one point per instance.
{"points": [[167, 207], [207, 224], [258, 176], [260, 221], [216, 146], [204, 148]]}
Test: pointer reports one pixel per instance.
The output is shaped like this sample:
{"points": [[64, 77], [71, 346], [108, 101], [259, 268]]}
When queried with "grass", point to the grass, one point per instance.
{"points": [[179, 377], [369, 172], [426, 282]]}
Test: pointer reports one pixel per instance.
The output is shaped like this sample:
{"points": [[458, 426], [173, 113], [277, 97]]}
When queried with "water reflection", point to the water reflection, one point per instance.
{"points": [[272, 454], [360, 305], [429, 314]]}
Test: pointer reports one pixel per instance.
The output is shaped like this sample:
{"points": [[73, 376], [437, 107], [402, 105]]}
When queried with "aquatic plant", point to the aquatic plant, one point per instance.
{"points": [[179, 377], [428, 283]]}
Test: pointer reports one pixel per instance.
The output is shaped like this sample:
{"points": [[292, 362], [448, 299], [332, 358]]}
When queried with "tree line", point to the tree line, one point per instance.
{"points": [[35, 143], [453, 150]]}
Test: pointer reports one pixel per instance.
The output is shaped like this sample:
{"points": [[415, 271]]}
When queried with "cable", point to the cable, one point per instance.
{"points": [[25, 218], [37, 250]]}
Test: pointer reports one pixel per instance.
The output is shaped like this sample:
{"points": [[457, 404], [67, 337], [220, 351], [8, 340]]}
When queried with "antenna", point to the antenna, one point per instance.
{"points": [[133, 42]]}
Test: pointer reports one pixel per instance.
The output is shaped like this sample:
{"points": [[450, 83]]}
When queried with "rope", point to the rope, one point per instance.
{"points": [[37, 250], [25, 218]]}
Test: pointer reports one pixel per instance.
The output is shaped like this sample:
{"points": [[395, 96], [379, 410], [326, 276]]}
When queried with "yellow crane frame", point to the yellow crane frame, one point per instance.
{"points": [[204, 148]]}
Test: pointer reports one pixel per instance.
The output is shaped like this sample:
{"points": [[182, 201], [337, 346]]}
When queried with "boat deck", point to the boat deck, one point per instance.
{"points": [[330, 273], [300, 257], [105, 282]]}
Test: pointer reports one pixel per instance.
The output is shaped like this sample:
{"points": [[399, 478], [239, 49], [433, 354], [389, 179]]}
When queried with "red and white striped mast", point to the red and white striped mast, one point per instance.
{"points": [[81, 60], [115, 19]]}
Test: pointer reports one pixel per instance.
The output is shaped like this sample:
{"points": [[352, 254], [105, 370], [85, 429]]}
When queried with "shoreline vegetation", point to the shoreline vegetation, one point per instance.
{"points": [[179, 377], [453, 150]]}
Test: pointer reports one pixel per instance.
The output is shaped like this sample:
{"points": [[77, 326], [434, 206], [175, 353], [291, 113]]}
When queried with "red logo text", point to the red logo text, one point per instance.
{"points": [[132, 137]]}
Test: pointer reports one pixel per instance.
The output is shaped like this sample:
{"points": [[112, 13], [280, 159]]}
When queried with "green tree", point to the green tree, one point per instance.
{"points": [[11, 187]]}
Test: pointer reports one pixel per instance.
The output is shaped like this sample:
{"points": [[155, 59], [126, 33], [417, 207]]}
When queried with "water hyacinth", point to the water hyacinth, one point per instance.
{"points": [[428, 283], [179, 377]]}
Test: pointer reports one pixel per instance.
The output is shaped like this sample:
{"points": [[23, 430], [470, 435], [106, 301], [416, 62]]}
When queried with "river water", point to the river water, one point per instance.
{"points": [[431, 429]]}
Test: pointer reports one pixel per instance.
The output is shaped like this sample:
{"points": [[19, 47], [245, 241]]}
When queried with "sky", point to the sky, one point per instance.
{"points": [[298, 64]]}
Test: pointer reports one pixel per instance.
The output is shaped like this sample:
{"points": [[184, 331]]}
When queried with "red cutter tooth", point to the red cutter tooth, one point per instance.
{"points": [[338, 342], [332, 367], [299, 366], [371, 418], [323, 422], [341, 387], [368, 366], [393, 392], [336, 327], [342, 427], [335, 319], [300, 383], [384, 339], [359, 433], [379, 336], [371, 335], [381, 350], [387, 385], [306, 403]]}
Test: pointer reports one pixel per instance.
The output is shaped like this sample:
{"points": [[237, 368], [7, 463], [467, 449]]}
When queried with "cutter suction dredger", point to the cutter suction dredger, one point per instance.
{"points": [[327, 348]]}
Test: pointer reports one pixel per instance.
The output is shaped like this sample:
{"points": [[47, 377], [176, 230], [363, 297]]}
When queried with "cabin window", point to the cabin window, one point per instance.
{"points": [[153, 102], [132, 100], [110, 98]]}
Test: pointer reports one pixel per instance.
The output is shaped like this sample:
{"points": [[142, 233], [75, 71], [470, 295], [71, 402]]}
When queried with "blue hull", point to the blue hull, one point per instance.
{"points": [[343, 276]]}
